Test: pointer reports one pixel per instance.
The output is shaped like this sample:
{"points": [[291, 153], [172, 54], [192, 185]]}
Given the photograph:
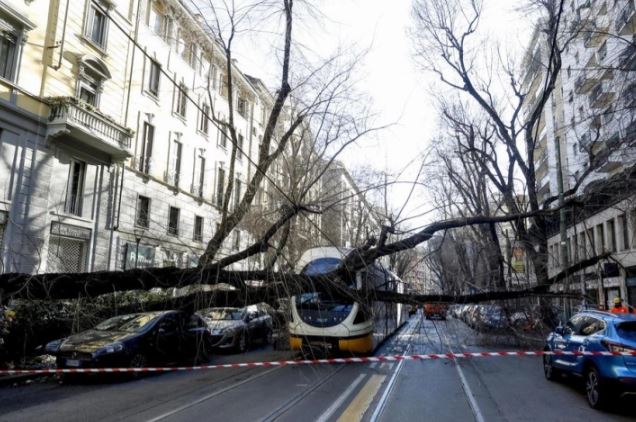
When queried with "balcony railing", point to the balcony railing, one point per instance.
{"points": [[83, 123], [601, 95]]}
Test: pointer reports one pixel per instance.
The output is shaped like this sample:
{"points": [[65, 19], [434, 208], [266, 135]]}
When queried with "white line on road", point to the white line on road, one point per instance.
{"points": [[344, 396], [380, 407], [479, 417], [385, 395], [211, 395]]}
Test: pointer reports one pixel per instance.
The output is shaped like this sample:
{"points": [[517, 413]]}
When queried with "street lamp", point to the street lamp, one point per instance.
{"points": [[139, 233]]}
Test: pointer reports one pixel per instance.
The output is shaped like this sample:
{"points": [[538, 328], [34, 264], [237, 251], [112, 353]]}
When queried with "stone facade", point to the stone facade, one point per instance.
{"points": [[109, 161]]}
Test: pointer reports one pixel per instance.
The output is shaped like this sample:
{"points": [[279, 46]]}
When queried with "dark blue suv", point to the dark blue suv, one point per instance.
{"points": [[605, 377]]}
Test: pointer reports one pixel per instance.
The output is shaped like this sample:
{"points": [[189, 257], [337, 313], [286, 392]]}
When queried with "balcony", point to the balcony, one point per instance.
{"points": [[601, 95], [624, 22], [584, 83], [85, 125]]}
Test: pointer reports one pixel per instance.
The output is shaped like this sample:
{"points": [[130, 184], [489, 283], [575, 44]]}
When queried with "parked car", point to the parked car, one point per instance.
{"points": [[435, 310], [605, 377], [237, 328], [135, 340]]}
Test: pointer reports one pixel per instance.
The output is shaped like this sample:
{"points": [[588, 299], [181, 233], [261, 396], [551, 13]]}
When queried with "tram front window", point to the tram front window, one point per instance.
{"points": [[318, 308]]}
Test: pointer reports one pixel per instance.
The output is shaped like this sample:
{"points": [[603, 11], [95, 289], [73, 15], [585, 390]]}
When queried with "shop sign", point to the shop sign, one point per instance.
{"points": [[66, 230], [139, 256], [518, 263]]}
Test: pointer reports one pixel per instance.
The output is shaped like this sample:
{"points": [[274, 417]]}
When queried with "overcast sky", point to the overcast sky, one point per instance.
{"points": [[389, 74]]}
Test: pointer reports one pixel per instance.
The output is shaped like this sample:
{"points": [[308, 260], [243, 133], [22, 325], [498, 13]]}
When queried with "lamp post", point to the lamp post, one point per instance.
{"points": [[139, 233]]}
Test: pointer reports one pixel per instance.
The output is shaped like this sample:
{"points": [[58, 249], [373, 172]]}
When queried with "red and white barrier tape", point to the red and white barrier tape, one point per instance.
{"points": [[390, 358]]}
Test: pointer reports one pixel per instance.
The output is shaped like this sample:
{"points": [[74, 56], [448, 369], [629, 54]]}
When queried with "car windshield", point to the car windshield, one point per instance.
{"points": [[224, 314], [130, 323], [627, 330]]}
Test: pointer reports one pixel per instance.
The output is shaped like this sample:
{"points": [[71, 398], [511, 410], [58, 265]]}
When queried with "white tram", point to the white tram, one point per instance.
{"points": [[335, 325]]}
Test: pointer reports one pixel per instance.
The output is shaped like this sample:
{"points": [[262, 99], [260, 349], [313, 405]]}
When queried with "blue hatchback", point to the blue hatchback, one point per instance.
{"points": [[605, 377]]}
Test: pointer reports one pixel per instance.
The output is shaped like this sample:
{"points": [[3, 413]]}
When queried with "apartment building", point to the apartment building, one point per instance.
{"points": [[590, 114], [348, 219], [110, 159]]}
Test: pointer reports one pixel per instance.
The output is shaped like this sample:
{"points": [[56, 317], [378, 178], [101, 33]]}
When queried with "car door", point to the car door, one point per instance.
{"points": [[590, 326], [562, 342], [251, 322], [168, 339]]}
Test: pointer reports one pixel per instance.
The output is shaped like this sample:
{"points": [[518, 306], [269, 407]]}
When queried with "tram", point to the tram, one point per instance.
{"points": [[320, 323]]}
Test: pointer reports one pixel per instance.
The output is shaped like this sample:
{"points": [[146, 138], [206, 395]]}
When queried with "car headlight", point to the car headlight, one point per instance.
{"points": [[53, 346], [110, 348]]}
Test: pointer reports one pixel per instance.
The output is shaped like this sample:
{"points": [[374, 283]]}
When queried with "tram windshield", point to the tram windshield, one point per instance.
{"points": [[319, 300]]}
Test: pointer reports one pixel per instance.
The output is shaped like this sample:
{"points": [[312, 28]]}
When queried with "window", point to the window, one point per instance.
{"points": [[223, 135], [220, 185], [192, 55], [146, 148], [8, 54], [198, 228], [159, 22], [90, 80], [175, 163], [582, 248], [592, 243], [154, 78], [600, 235], [213, 76], [622, 222], [75, 188], [223, 85], [611, 235], [237, 193], [173, 221], [239, 147], [182, 100], [237, 240], [143, 211], [199, 190], [88, 94], [241, 107], [204, 124], [96, 25]]}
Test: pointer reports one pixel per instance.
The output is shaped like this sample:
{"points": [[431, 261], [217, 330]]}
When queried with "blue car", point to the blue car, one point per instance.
{"points": [[605, 377]]}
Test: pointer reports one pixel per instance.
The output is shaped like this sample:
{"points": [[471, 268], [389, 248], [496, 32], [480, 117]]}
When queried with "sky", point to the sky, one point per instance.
{"points": [[399, 89]]}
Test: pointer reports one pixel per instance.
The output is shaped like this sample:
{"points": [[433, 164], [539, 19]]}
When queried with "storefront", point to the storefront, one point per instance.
{"points": [[630, 285], [68, 248]]}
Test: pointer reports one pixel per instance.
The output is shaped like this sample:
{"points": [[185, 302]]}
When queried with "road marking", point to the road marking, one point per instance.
{"points": [[373, 365], [479, 417], [361, 402], [380, 406], [211, 395], [344, 396]]}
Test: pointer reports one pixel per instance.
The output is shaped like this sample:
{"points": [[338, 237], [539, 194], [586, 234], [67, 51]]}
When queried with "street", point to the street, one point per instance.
{"points": [[480, 389]]}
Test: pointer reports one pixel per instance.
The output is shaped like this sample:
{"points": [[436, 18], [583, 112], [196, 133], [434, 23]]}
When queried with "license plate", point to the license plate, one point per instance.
{"points": [[72, 362]]}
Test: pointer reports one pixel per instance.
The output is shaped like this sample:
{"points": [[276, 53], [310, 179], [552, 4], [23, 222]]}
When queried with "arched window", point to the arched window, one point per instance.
{"points": [[91, 76]]}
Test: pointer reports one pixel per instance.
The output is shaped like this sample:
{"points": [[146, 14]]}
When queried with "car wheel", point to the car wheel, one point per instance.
{"points": [[551, 374], [598, 395], [242, 343], [138, 361]]}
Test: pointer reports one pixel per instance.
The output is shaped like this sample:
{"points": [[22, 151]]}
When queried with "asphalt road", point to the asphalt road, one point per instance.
{"points": [[479, 389]]}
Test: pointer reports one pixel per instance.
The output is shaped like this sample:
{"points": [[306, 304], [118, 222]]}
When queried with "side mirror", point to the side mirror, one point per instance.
{"points": [[560, 330]]}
